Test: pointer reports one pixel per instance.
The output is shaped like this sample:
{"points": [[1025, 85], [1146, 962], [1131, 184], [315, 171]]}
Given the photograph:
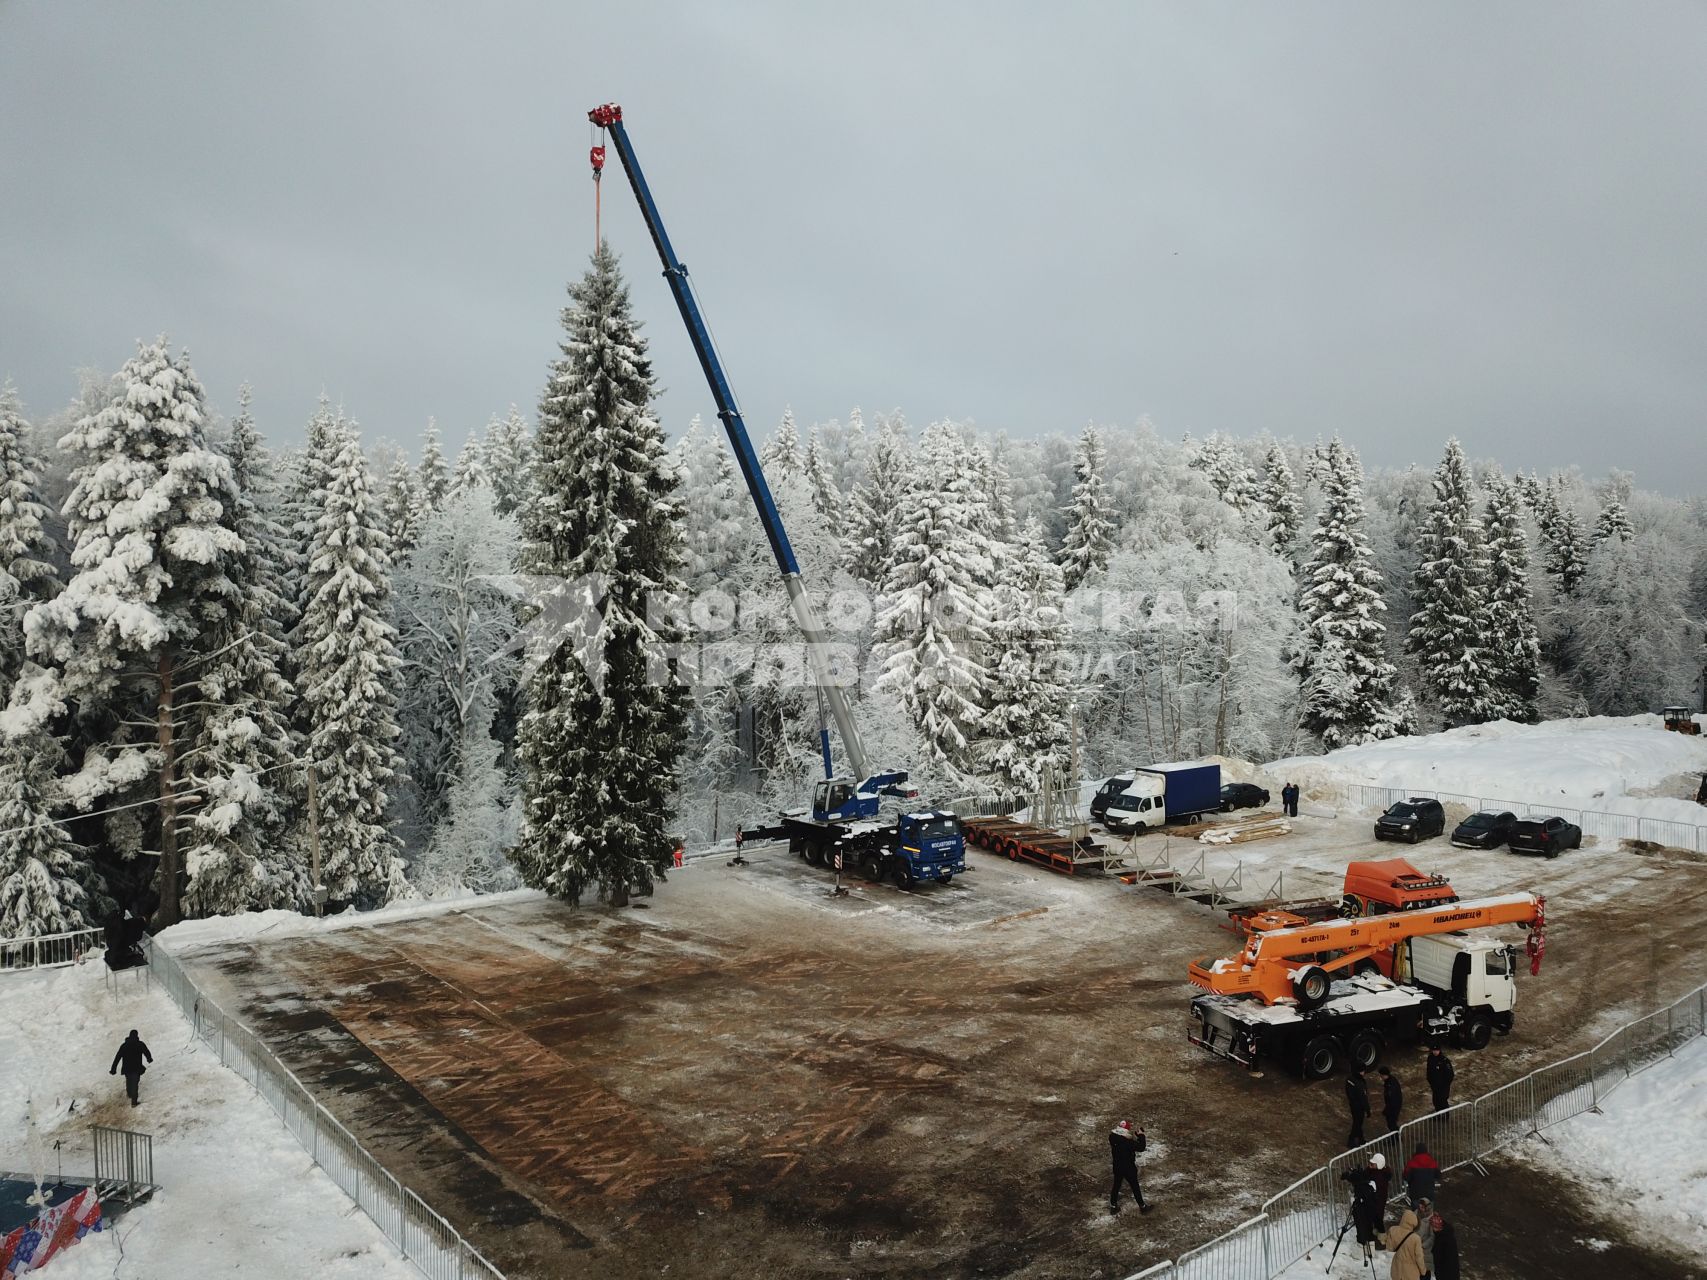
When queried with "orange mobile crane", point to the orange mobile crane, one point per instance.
{"points": [[1311, 994]]}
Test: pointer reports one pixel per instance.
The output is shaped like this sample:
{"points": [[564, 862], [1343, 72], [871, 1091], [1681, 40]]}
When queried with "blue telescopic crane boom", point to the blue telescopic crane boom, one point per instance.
{"points": [[609, 117]]}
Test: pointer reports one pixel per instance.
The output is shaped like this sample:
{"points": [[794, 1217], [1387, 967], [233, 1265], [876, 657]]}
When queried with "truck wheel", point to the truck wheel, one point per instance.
{"points": [[903, 876], [1320, 1057], [945, 877], [1478, 1033], [1012, 850], [1311, 986], [1364, 1049], [870, 869]]}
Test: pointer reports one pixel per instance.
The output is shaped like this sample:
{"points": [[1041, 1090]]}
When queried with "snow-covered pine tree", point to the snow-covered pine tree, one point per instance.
{"points": [[1510, 640], [715, 514], [1614, 522], [27, 576], [1634, 646], [933, 614], [781, 456], [434, 481], [1278, 495], [401, 508], [825, 496], [40, 870], [1220, 460], [1025, 729], [1449, 593], [470, 468], [1090, 528], [241, 746], [1528, 486], [149, 596], [347, 662], [874, 506], [1348, 682], [599, 761], [1565, 554], [509, 461]]}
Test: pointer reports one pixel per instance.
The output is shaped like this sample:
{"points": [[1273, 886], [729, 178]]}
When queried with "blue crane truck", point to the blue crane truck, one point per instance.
{"points": [[1153, 795], [845, 829]]}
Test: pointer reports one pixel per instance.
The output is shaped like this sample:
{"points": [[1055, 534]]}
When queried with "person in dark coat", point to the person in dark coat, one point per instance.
{"points": [[1367, 1204], [131, 1055], [1422, 1175], [1124, 1143], [1445, 1249], [1392, 1099], [1289, 799], [1357, 1102], [1440, 1073]]}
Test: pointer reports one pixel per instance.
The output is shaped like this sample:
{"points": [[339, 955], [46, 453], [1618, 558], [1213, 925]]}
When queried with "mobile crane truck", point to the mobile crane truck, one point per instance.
{"points": [[1313, 994], [844, 828]]}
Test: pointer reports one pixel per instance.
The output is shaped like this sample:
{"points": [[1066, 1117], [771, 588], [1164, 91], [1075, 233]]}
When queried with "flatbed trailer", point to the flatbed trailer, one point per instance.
{"points": [[1021, 841]]}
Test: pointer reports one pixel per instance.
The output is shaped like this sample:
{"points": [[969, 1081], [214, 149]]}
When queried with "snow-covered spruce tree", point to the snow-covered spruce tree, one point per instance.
{"points": [[715, 513], [433, 483], [1614, 522], [347, 663], [1564, 552], [1510, 640], [40, 870], [509, 461], [241, 745], [781, 455], [1341, 604], [400, 508], [1634, 647], [1025, 730], [825, 496], [470, 468], [599, 760], [1278, 495], [874, 506], [149, 597], [1220, 460], [1449, 593], [27, 576], [933, 612], [1090, 528]]}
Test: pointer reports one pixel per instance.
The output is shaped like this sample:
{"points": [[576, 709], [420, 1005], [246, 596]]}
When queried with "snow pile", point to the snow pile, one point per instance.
{"points": [[238, 1195], [287, 924], [1604, 763]]}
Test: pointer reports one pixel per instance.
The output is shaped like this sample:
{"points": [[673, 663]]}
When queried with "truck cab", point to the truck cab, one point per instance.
{"points": [[1131, 802], [931, 845], [1473, 980]]}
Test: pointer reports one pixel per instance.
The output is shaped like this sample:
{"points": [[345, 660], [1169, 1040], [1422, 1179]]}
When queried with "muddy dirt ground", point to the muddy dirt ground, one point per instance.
{"points": [[749, 1077]]}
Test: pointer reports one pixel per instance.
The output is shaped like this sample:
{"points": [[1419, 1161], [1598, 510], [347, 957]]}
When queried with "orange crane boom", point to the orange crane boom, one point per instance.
{"points": [[1290, 958]]}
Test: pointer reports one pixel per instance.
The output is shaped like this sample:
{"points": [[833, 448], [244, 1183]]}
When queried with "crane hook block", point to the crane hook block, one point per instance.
{"points": [[606, 115], [597, 156]]}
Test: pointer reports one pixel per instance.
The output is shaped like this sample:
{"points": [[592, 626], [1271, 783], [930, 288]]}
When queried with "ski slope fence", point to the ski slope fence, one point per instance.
{"points": [[423, 1237], [46, 952], [1312, 1210], [1594, 822]]}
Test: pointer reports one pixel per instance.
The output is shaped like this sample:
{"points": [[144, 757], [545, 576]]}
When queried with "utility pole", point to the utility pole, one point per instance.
{"points": [[167, 913]]}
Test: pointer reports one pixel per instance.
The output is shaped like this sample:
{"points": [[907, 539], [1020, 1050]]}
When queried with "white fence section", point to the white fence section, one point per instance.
{"points": [[45, 952], [424, 1237], [1313, 1209], [1594, 822]]}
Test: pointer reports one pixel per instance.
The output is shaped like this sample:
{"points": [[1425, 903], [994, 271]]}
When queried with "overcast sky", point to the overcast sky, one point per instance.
{"points": [[1395, 222]]}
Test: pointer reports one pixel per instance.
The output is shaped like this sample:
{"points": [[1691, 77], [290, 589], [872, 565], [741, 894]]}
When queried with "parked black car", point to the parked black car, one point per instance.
{"points": [[1411, 820], [1547, 836], [1242, 795], [1483, 830]]}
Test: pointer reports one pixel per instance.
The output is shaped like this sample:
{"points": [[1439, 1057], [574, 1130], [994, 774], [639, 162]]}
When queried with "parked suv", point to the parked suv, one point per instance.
{"points": [[1483, 830], [1242, 795], [1411, 820], [1547, 836]]}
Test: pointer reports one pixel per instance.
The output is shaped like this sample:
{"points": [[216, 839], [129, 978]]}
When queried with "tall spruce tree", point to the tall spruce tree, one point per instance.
{"points": [[874, 506], [509, 461], [1565, 554], [27, 575], [434, 482], [40, 869], [1613, 522], [599, 760], [825, 496], [401, 509], [1278, 494], [781, 455], [1449, 593], [1090, 527], [347, 667], [1510, 639], [1026, 727], [1348, 682], [470, 468]]}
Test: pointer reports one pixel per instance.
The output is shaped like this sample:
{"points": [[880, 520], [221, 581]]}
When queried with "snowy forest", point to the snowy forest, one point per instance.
{"points": [[224, 663]]}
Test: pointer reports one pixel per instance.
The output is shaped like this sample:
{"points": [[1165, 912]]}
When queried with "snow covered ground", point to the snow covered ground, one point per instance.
{"points": [[239, 1197], [1613, 764]]}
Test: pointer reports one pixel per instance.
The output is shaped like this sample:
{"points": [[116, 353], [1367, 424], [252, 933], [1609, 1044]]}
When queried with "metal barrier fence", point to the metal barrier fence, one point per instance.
{"points": [[44, 952], [1594, 822], [425, 1238], [1313, 1209], [124, 1158]]}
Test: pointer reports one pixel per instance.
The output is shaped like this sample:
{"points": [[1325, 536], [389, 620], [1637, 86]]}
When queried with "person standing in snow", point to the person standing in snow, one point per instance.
{"points": [[1440, 1073], [1124, 1144], [1366, 1202], [1289, 799], [131, 1055], [1357, 1102], [1425, 1232], [1445, 1248], [1392, 1099], [1405, 1245], [1422, 1175]]}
